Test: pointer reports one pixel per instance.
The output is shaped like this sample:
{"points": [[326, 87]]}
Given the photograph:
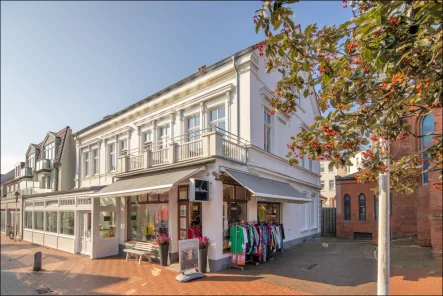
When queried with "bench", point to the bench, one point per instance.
{"points": [[141, 249]]}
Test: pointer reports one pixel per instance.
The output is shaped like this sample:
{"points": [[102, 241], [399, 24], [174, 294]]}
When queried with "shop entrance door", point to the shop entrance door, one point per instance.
{"points": [[85, 219]]}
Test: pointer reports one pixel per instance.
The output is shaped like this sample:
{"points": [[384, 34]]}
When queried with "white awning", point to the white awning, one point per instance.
{"points": [[155, 183], [267, 189]]}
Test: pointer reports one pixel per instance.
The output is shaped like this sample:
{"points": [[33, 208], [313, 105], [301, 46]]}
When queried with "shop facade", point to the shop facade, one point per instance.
{"points": [[61, 220], [10, 215]]}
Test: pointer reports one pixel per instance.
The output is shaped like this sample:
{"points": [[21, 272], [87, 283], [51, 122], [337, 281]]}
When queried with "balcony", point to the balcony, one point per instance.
{"points": [[198, 145], [44, 165], [29, 191], [26, 172]]}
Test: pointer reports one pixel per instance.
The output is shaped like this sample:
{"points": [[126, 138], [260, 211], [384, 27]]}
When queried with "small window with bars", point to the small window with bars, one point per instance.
{"points": [[52, 203], [39, 203], [84, 201], [28, 204], [67, 202]]}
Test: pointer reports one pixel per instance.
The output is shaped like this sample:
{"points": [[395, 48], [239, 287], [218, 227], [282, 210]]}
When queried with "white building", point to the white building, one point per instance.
{"points": [[328, 177], [215, 125]]}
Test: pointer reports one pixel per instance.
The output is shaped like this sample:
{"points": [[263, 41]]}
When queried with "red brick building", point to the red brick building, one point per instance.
{"points": [[415, 215]]}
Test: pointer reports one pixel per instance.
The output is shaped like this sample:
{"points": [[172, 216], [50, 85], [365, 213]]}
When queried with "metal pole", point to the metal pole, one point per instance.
{"points": [[383, 258]]}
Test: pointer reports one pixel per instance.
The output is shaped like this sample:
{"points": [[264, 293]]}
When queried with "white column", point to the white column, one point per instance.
{"points": [[171, 125], [173, 219], [129, 141], [105, 156], [116, 151], [154, 133], [140, 140], [212, 217], [203, 120], [228, 112], [90, 161]]}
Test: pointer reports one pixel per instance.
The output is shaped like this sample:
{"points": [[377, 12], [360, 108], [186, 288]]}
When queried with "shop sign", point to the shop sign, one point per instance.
{"points": [[188, 254], [199, 190]]}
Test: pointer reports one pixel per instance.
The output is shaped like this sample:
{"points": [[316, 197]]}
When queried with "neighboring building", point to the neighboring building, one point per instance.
{"points": [[415, 215], [49, 167], [215, 125], [328, 175]]}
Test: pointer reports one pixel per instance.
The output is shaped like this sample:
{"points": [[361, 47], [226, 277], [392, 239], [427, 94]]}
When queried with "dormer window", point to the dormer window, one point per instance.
{"points": [[31, 161], [49, 151]]}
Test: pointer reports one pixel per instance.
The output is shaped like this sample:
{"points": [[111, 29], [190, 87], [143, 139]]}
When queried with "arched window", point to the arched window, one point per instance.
{"points": [[362, 207], [347, 200], [427, 126]]}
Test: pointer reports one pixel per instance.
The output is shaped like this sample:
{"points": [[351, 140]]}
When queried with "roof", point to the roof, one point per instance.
{"points": [[168, 89], [8, 176], [62, 135], [344, 178], [93, 188]]}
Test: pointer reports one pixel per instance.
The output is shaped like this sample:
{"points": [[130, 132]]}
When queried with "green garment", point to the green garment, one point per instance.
{"points": [[237, 240]]}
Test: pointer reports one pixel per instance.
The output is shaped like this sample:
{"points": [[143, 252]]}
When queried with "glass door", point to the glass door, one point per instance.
{"points": [[85, 232]]}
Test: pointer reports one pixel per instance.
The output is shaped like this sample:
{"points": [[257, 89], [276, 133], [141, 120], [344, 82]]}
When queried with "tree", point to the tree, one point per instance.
{"points": [[376, 73]]}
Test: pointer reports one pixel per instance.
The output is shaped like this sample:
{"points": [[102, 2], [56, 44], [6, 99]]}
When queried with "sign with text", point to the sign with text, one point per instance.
{"points": [[199, 190]]}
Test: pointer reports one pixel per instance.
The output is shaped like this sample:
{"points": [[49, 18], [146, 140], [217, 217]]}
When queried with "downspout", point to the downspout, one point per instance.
{"points": [[56, 178], [238, 97]]}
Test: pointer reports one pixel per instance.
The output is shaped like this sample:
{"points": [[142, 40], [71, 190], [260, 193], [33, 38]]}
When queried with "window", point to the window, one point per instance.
{"points": [[347, 204], [67, 202], [267, 132], [427, 127], [95, 161], [67, 223], [314, 213], [310, 164], [322, 168], [217, 119], [322, 184], [38, 221], [376, 206], [148, 217], [163, 133], [84, 201], [51, 222], [2, 221], [147, 137], [52, 203], [112, 157], [31, 160], [268, 212], [362, 207], [86, 164], [331, 185], [234, 209], [28, 220], [123, 145], [305, 209], [107, 224], [331, 170], [49, 151], [193, 128], [108, 201]]}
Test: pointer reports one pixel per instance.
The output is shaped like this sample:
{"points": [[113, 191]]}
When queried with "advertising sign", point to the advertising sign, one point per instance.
{"points": [[199, 190], [188, 254]]}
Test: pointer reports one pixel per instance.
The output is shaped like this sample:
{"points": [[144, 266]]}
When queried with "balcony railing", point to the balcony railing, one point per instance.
{"points": [[44, 164], [29, 191], [200, 144], [26, 172]]}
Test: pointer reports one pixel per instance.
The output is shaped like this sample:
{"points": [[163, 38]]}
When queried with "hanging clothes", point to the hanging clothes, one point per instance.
{"points": [[237, 240]]}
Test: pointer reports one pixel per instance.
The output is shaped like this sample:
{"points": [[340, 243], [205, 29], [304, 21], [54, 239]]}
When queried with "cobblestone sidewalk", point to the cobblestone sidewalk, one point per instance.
{"points": [[342, 267]]}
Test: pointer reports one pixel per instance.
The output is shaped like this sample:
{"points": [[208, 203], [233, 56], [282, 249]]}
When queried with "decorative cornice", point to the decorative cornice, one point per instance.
{"points": [[116, 132], [90, 142]]}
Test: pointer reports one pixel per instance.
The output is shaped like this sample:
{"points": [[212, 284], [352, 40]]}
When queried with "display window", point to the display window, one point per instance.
{"points": [[235, 198], [148, 217], [268, 212]]}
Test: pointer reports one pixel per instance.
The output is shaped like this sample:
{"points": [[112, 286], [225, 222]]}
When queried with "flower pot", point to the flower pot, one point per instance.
{"points": [[164, 252], [202, 259]]}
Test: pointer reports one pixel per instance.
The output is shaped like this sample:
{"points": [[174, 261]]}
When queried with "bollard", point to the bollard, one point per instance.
{"points": [[37, 261]]}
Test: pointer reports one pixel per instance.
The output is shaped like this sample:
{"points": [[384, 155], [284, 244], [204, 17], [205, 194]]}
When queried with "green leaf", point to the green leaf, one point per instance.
{"points": [[306, 66], [306, 93]]}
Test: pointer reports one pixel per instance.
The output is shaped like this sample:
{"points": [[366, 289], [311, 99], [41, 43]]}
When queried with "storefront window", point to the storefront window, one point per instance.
{"points": [[148, 219], [38, 221], [234, 208], [67, 223], [268, 212], [51, 222], [28, 220], [2, 221], [107, 224]]}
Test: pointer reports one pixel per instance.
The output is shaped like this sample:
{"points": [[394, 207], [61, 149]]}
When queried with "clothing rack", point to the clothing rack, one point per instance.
{"points": [[236, 255]]}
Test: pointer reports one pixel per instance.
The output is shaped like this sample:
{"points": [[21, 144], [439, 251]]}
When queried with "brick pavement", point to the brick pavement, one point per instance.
{"points": [[342, 268]]}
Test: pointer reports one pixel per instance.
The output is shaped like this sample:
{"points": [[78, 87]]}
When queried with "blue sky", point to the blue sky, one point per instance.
{"points": [[72, 63]]}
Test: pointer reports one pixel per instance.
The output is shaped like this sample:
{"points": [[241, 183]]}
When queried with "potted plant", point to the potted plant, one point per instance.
{"points": [[163, 242], [203, 244]]}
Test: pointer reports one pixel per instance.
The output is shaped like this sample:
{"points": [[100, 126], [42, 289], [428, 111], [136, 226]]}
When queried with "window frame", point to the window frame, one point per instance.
{"points": [[216, 122], [95, 161], [347, 204], [361, 205], [56, 221], [61, 224], [34, 220], [85, 163], [192, 133], [31, 160], [322, 168], [112, 157], [49, 151], [329, 185], [267, 131]]}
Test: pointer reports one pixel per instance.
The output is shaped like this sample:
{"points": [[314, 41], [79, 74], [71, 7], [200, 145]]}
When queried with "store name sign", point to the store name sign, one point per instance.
{"points": [[198, 190]]}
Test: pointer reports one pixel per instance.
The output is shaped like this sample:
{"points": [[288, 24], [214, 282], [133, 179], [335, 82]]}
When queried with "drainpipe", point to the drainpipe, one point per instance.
{"points": [[238, 97], [56, 178]]}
